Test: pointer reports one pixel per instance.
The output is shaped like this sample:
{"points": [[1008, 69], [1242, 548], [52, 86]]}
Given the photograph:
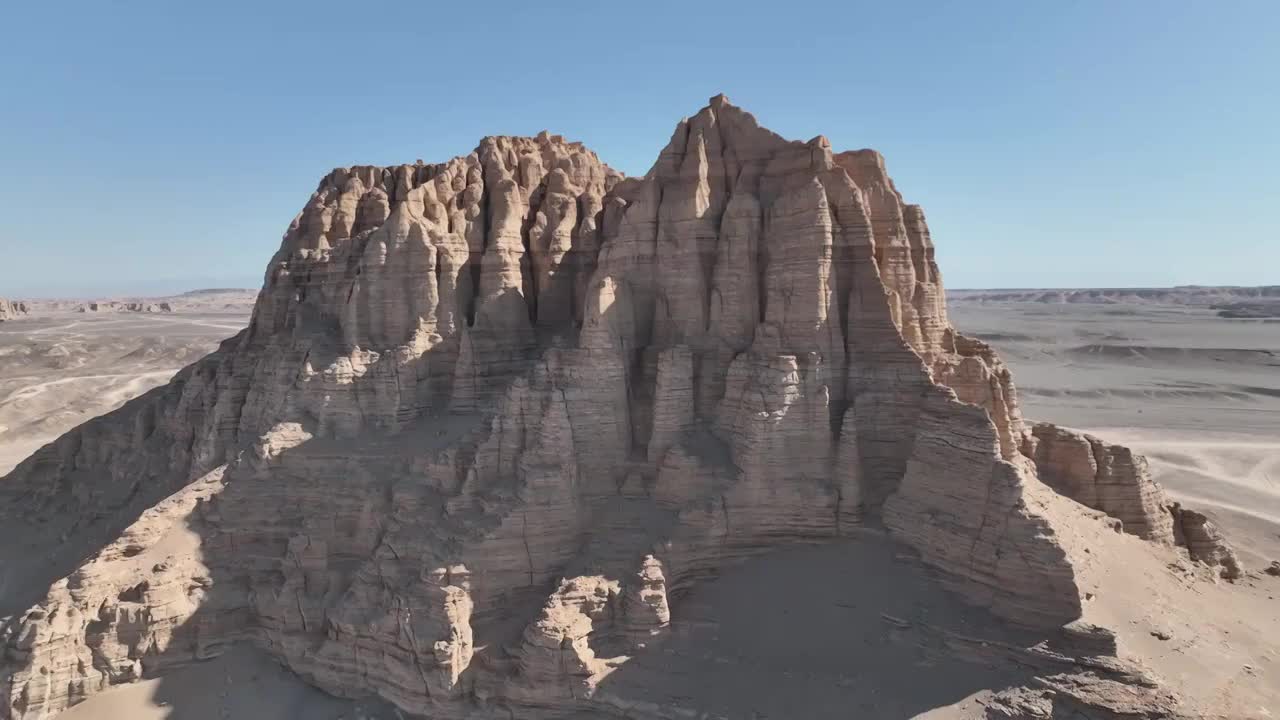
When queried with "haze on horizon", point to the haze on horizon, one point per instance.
{"points": [[157, 148]]}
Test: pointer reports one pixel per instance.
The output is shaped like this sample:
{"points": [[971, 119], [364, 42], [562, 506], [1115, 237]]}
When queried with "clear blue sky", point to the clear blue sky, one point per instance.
{"points": [[149, 147]]}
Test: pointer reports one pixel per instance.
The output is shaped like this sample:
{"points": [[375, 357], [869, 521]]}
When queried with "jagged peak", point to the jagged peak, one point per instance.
{"points": [[720, 129]]}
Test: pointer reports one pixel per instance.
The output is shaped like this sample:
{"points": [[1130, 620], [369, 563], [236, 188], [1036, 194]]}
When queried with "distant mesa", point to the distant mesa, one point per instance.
{"points": [[1190, 295], [1249, 310], [218, 291]]}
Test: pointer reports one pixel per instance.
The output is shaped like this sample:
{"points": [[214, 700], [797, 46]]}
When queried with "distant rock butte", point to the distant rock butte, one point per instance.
{"points": [[11, 309], [124, 306], [518, 387]]}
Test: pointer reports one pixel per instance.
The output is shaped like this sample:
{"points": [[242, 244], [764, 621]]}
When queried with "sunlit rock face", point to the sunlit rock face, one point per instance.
{"points": [[11, 309], [492, 415]]}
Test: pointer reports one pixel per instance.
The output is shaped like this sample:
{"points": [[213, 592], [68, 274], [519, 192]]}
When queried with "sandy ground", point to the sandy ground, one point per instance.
{"points": [[1198, 394], [243, 683], [837, 627], [60, 367]]}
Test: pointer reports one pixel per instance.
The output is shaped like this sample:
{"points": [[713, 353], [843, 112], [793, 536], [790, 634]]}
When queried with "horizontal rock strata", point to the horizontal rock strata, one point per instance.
{"points": [[492, 415], [1111, 478], [1204, 541], [1103, 476]]}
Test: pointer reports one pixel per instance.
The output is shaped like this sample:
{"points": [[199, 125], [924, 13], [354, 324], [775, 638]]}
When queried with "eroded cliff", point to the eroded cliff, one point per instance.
{"points": [[493, 417]]}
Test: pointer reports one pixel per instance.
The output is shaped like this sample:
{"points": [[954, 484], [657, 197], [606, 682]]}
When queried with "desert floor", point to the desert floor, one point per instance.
{"points": [[1198, 394], [60, 367]]}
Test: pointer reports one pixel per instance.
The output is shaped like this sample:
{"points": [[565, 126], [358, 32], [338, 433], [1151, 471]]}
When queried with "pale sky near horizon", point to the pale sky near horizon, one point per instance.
{"points": [[153, 147]]}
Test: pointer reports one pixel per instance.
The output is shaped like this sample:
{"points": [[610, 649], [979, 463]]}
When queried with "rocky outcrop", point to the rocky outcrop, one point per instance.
{"points": [[1204, 541], [11, 309], [983, 519], [1103, 476], [126, 306], [979, 377], [1111, 478], [491, 415], [132, 601]]}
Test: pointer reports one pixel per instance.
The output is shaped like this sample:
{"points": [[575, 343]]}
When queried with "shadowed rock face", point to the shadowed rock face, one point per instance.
{"points": [[492, 415]]}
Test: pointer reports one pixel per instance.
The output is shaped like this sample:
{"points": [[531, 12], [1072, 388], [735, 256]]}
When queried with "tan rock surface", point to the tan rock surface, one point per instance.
{"points": [[1105, 477], [1204, 541], [493, 417], [11, 309]]}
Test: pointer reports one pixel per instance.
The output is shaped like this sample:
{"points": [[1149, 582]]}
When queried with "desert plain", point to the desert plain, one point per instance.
{"points": [[62, 363], [1197, 393]]}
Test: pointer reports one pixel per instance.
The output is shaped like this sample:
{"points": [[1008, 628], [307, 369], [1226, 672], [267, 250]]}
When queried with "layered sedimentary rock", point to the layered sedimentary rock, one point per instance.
{"points": [[983, 518], [491, 415], [1204, 541], [1111, 478], [1103, 476], [10, 309]]}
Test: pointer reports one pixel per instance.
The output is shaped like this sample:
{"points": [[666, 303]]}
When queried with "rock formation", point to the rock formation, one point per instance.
{"points": [[1105, 477], [125, 306], [10, 309], [1204, 541], [1112, 479], [492, 416]]}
